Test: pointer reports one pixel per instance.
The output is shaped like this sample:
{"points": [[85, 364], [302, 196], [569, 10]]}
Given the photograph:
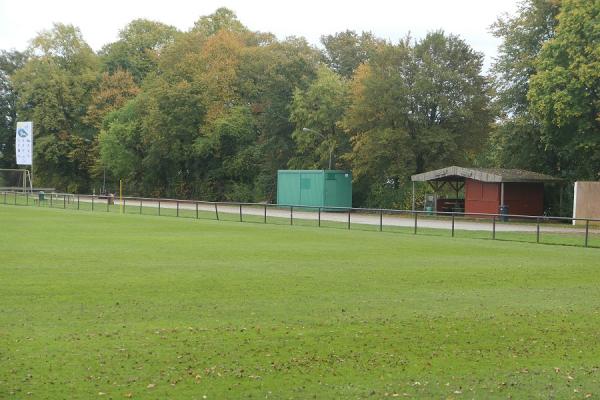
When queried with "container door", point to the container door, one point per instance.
{"points": [[311, 193], [288, 188], [330, 186], [338, 189]]}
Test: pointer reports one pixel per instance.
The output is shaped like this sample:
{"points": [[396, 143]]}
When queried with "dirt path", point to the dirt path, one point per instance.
{"points": [[368, 219]]}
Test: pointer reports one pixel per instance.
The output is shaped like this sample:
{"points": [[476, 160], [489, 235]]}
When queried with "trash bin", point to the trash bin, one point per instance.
{"points": [[41, 196], [503, 211]]}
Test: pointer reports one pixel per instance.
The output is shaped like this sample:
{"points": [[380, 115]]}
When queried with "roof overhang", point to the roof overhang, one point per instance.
{"points": [[492, 175]]}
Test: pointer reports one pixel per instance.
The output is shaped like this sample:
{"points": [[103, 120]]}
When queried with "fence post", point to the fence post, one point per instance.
{"points": [[141, 202], [177, 202], [27, 198], [51, 197], [216, 211], [124, 205], [15, 198], [415, 222], [92, 202], [4, 197], [107, 203], [159, 207], [319, 218], [349, 217], [494, 228], [452, 224], [265, 216], [537, 230], [241, 213], [77, 202], [64, 201], [291, 215], [587, 231], [380, 220], [196, 210]]}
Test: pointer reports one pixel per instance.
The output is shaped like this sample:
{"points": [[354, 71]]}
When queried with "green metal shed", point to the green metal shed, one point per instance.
{"points": [[317, 188]]}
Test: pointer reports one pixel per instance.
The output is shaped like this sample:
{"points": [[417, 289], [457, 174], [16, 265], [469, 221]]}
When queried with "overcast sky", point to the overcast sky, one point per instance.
{"points": [[100, 21]]}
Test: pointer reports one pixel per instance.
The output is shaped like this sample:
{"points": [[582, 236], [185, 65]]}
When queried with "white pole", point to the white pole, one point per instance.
{"points": [[31, 175], [575, 204]]}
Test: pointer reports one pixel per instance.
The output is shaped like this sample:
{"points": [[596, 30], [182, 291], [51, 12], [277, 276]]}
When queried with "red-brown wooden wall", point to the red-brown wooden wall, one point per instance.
{"points": [[521, 198]]}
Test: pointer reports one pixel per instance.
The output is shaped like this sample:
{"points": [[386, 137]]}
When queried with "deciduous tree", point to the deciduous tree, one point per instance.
{"points": [[416, 107], [345, 51], [564, 92], [138, 48], [10, 61], [55, 87], [317, 114]]}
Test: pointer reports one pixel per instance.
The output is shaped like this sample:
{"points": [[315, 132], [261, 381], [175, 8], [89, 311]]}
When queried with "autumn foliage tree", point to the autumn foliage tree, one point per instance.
{"points": [[213, 112], [416, 106]]}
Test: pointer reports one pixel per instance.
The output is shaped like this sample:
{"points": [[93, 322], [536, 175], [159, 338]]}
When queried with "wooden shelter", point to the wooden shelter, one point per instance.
{"points": [[489, 190]]}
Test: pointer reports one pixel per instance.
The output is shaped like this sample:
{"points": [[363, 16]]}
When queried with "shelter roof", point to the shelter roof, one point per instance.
{"points": [[455, 173]]}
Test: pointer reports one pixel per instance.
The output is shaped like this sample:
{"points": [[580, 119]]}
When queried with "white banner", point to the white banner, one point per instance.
{"points": [[24, 143]]}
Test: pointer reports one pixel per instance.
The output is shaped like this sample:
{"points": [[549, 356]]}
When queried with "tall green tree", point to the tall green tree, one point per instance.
{"points": [[229, 146], [269, 73], [10, 61], [345, 51], [564, 92], [138, 48], [416, 107], [55, 87], [515, 138], [317, 113], [223, 19], [523, 36], [214, 122], [148, 142]]}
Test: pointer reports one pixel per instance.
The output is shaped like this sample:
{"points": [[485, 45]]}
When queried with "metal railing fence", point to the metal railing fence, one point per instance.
{"points": [[539, 229]]}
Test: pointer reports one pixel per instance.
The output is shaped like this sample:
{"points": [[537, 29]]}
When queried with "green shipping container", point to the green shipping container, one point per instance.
{"points": [[316, 188]]}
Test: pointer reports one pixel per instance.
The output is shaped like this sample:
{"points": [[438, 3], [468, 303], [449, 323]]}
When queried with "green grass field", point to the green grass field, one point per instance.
{"points": [[101, 305], [570, 237]]}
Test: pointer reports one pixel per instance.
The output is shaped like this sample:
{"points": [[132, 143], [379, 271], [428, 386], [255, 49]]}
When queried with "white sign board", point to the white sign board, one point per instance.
{"points": [[24, 143]]}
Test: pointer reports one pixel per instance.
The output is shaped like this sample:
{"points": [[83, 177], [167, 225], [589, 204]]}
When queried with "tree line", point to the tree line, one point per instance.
{"points": [[213, 112]]}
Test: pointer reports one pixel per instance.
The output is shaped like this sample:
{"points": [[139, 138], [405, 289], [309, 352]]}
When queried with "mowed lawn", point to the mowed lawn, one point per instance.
{"points": [[144, 307]]}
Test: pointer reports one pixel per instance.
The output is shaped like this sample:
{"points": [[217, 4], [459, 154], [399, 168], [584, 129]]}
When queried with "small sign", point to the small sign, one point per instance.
{"points": [[24, 143]]}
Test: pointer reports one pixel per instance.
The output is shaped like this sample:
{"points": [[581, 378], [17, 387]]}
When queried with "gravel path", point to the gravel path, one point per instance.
{"points": [[370, 219]]}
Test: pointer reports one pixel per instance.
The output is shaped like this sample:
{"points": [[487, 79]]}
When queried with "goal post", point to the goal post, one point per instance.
{"points": [[15, 180]]}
